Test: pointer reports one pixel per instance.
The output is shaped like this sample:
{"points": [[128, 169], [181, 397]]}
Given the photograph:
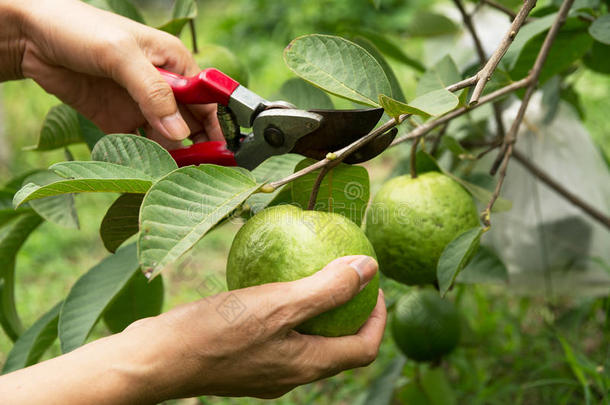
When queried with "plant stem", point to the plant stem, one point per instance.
{"points": [[485, 73], [561, 190], [193, 35], [470, 26], [428, 126], [413, 168], [511, 136], [501, 8], [316, 187]]}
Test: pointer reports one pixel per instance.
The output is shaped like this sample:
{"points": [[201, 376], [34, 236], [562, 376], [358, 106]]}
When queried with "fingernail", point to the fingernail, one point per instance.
{"points": [[365, 267], [175, 126]]}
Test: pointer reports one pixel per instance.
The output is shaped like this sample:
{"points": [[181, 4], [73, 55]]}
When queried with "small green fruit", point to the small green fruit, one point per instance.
{"points": [[425, 326], [285, 243], [410, 221]]}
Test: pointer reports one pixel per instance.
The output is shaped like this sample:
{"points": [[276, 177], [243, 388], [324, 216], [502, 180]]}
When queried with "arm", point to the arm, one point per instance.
{"points": [[193, 350], [103, 65]]}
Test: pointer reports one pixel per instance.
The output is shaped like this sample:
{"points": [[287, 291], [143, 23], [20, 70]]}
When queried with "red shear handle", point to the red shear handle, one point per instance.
{"points": [[214, 152], [208, 86]]}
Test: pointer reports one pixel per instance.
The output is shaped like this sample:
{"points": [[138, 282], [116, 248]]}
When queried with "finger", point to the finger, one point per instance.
{"points": [[153, 95], [206, 116], [341, 353], [326, 289]]}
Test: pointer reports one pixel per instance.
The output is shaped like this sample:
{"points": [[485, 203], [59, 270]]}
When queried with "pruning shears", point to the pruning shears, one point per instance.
{"points": [[277, 127]]}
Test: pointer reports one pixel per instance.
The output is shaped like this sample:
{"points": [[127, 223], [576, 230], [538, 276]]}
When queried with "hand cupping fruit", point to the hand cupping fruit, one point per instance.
{"points": [[285, 243]]}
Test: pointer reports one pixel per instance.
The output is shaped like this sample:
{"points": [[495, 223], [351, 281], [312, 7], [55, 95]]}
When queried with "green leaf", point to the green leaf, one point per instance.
{"points": [[484, 268], [395, 108], [597, 59], [454, 146], [182, 12], [456, 256], [89, 131], [12, 236], [138, 299], [576, 367], [58, 209], [571, 44], [121, 221], [304, 95], [85, 177], [600, 29], [31, 345], [7, 212], [441, 75], [381, 390], [527, 32], [272, 169], [429, 24], [344, 190], [91, 295], [126, 9], [136, 152], [337, 66], [482, 195], [180, 208], [435, 103], [389, 48], [438, 390], [397, 93], [60, 128]]}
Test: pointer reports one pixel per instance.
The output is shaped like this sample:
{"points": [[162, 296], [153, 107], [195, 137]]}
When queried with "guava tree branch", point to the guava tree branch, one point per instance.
{"points": [[470, 26], [430, 125], [466, 18], [561, 190], [511, 136], [484, 75], [500, 7]]}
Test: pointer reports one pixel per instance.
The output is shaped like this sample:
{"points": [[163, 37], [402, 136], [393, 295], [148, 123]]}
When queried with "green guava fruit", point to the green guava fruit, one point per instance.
{"points": [[285, 243], [410, 221], [425, 327], [219, 57]]}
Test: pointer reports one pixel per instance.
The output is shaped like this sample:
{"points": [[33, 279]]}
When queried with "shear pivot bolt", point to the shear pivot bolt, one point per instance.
{"points": [[274, 136]]}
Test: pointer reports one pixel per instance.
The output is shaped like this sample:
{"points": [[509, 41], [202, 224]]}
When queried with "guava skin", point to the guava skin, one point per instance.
{"points": [[425, 327], [285, 243], [410, 221]]}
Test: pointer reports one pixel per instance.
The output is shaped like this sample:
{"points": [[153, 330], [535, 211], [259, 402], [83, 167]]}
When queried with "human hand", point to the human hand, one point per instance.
{"points": [[197, 350], [103, 65]]}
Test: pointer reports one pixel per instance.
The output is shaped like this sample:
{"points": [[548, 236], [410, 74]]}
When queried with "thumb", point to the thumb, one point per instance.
{"points": [[154, 97], [334, 285]]}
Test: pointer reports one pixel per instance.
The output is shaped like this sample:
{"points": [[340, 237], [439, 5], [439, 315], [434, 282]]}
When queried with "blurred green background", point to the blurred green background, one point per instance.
{"points": [[510, 352]]}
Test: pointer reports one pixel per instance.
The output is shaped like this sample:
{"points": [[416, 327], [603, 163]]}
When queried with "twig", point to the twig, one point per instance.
{"points": [[485, 73], [341, 154], [470, 26], [501, 8], [561, 190], [462, 84], [511, 136], [497, 110], [428, 126], [193, 35], [437, 140], [316, 187], [413, 162]]}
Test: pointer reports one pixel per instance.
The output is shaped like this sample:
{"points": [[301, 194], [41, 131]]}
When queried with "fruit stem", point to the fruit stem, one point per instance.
{"points": [[413, 161]]}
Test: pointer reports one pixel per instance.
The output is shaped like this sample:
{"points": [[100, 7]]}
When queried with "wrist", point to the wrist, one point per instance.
{"points": [[12, 39]]}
